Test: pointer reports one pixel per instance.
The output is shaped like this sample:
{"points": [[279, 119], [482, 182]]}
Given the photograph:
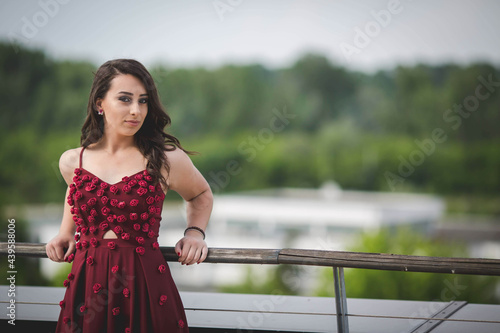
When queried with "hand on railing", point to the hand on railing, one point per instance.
{"points": [[60, 248], [191, 248]]}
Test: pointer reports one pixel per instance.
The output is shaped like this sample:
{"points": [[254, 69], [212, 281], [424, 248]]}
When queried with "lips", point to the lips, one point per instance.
{"points": [[133, 122]]}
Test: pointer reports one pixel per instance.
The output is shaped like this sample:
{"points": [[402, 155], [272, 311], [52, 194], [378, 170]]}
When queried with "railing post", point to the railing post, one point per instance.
{"points": [[340, 300]]}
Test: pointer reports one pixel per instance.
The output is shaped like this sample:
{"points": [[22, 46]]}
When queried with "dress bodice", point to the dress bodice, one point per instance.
{"points": [[130, 208]]}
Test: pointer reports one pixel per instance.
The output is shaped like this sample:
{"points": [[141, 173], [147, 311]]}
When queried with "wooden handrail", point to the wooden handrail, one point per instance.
{"points": [[379, 261]]}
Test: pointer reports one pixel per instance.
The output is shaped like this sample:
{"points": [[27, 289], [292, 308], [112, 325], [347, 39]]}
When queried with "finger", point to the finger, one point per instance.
{"points": [[184, 253], [70, 250], [48, 251], [59, 251], [197, 255], [178, 248], [204, 253], [52, 255], [191, 257], [194, 254]]}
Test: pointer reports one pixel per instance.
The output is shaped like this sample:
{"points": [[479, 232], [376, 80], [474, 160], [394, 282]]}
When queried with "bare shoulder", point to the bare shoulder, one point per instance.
{"points": [[180, 165], [184, 178], [177, 156], [68, 162]]}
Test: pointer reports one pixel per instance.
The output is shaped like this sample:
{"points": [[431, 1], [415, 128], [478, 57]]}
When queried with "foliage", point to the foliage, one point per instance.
{"points": [[351, 127], [408, 285], [61, 275], [272, 281]]}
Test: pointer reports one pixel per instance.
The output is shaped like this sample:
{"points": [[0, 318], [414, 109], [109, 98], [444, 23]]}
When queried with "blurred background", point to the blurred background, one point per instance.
{"points": [[369, 126]]}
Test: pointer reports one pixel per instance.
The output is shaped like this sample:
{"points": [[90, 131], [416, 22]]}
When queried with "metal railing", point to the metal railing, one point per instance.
{"points": [[336, 259]]}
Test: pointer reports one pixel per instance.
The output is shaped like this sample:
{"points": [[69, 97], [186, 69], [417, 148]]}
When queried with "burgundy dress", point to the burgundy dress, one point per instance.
{"points": [[123, 284]]}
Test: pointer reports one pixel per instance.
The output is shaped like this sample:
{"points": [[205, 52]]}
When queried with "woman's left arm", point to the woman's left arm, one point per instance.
{"points": [[186, 180]]}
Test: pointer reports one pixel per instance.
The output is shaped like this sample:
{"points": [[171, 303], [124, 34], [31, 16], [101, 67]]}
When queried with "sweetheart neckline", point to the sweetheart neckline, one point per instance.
{"points": [[109, 182]]}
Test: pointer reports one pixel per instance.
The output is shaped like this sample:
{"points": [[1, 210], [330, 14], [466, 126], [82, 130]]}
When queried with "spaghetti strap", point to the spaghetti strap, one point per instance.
{"points": [[81, 154]]}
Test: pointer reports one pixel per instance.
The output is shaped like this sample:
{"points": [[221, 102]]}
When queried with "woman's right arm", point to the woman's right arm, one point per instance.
{"points": [[65, 239], [63, 244]]}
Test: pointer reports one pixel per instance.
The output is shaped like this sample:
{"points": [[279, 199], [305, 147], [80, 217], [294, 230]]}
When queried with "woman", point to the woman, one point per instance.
{"points": [[117, 180]]}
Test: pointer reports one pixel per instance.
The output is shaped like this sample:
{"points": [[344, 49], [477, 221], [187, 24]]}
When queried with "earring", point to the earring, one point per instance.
{"points": [[100, 112]]}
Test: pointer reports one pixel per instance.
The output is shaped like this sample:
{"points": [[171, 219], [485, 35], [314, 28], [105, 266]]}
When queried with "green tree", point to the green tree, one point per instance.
{"points": [[349, 127]]}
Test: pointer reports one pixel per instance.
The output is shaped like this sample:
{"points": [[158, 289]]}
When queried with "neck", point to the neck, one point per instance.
{"points": [[114, 143]]}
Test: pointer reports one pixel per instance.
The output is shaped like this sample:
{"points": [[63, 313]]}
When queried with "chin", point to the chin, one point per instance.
{"points": [[129, 133]]}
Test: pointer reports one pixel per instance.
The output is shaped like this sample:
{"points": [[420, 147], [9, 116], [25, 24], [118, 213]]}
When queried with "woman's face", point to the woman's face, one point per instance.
{"points": [[125, 105]]}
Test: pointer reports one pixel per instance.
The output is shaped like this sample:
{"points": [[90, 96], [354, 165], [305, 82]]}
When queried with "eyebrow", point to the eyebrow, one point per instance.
{"points": [[130, 94]]}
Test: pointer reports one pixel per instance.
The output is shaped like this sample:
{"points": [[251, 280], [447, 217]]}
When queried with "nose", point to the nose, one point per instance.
{"points": [[134, 109]]}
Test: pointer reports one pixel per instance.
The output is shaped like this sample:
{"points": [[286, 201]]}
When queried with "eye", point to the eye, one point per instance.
{"points": [[124, 99], [143, 101]]}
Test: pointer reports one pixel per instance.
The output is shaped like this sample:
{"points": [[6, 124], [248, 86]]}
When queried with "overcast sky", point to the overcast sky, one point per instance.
{"points": [[363, 35]]}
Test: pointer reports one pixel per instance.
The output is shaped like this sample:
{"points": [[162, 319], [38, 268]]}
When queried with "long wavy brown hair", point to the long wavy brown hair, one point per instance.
{"points": [[151, 139]]}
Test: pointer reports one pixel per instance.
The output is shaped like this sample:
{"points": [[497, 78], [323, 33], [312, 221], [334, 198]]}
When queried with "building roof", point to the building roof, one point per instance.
{"points": [[328, 205]]}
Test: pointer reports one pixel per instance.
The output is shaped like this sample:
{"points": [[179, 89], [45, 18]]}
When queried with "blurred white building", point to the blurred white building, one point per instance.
{"points": [[325, 219], [271, 216]]}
